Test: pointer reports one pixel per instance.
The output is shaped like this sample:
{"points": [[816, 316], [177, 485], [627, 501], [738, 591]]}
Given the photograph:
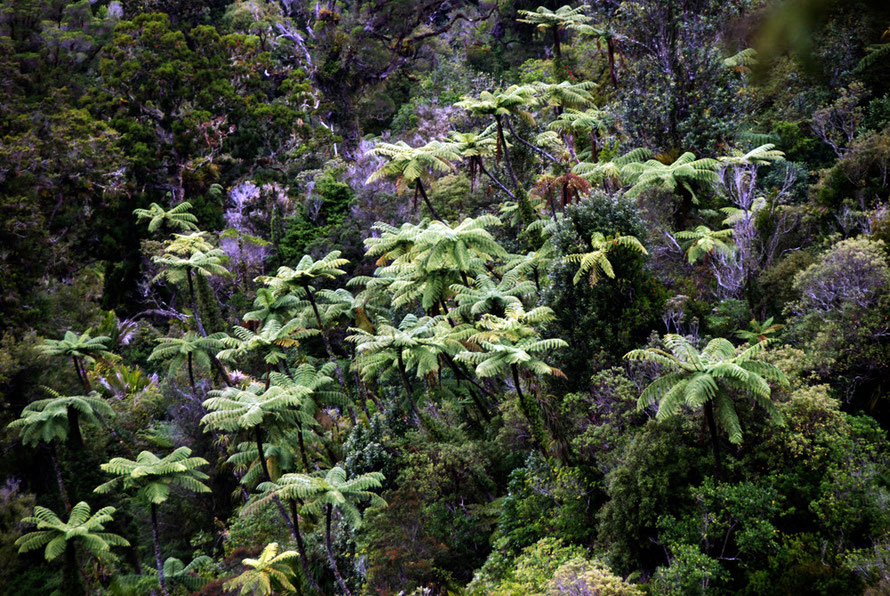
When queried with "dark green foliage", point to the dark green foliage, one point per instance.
{"points": [[798, 146], [305, 232], [491, 442], [661, 464], [859, 176], [601, 323]]}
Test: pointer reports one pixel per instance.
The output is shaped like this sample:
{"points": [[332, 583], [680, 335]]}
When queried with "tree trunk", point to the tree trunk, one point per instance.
{"points": [[328, 348], [557, 48], [75, 439], [258, 437], [610, 44], [480, 403], [221, 370], [495, 180], [291, 524], [81, 374], [407, 384], [194, 304], [157, 543], [533, 420], [331, 559], [192, 375], [71, 584], [426, 200], [558, 69], [503, 143], [303, 457], [363, 394], [715, 445], [529, 145], [301, 547], [54, 459]]}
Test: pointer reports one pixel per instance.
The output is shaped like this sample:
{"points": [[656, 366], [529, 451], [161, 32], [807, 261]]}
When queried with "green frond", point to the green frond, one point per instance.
{"points": [[726, 417]]}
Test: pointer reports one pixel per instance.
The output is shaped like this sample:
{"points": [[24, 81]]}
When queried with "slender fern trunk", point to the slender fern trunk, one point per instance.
{"points": [[527, 411], [331, 559], [291, 523], [159, 563], [301, 547], [557, 46], [71, 584], [60, 482], [529, 145], [310, 294], [363, 394], [81, 374], [258, 437], [193, 303], [715, 444], [426, 200], [191, 374], [302, 446], [406, 383], [495, 180], [75, 438], [502, 142], [478, 400], [610, 45]]}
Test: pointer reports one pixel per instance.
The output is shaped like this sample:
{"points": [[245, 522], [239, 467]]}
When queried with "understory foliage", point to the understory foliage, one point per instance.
{"points": [[444, 298]]}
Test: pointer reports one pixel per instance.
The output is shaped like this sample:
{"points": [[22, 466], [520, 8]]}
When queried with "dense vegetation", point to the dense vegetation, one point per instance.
{"points": [[445, 297]]}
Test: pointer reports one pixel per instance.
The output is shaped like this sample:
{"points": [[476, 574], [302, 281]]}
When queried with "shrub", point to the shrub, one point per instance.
{"points": [[853, 272]]}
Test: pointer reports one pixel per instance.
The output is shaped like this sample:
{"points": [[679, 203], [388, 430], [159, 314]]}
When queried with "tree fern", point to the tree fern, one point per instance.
{"points": [[596, 263], [703, 241], [705, 379], [266, 575], [178, 217]]}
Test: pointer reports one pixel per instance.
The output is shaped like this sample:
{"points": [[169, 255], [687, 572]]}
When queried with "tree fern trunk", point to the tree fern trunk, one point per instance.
{"points": [[331, 559], [291, 524], [258, 437], [610, 44], [193, 303], [63, 493], [715, 444], [426, 200], [327, 346], [503, 143], [533, 420], [192, 375], [495, 180], [407, 384], [478, 400], [75, 439], [557, 54], [529, 145], [81, 374], [301, 548], [71, 585], [302, 446], [157, 544]]}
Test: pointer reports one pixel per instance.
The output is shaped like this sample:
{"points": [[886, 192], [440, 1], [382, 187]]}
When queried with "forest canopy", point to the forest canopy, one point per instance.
{"points": [[490, 297]]}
